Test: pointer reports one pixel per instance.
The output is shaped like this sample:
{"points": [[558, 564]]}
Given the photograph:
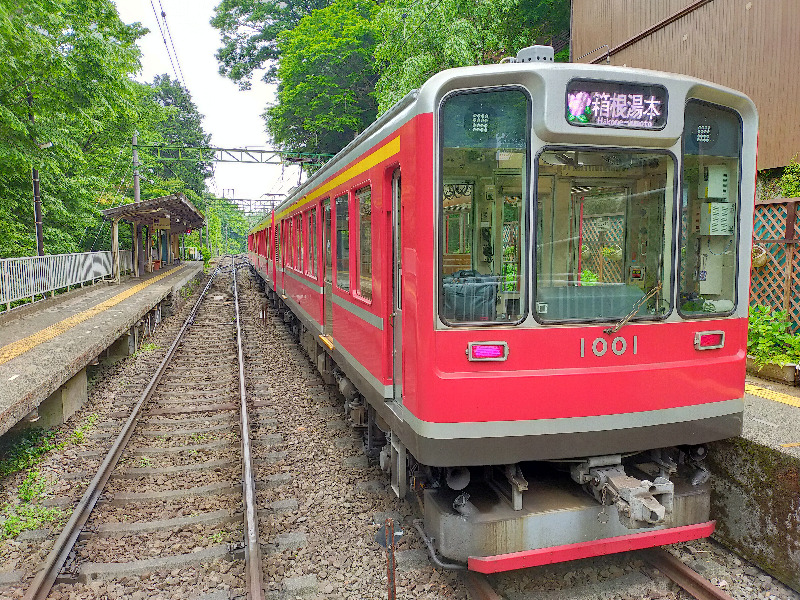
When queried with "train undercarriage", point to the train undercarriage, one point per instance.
{"points": [[502, 517]]}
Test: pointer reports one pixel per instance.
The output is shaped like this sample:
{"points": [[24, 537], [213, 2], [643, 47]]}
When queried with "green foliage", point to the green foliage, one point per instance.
{"points": [[250, 30], [28, 513], [69, 108], [589, 277], [790, 180], [327, 74], [182, 126], [768, 337], [23, 449], [78, 435], [206, 256], [64, 80], [420, 40], [32, 487]]}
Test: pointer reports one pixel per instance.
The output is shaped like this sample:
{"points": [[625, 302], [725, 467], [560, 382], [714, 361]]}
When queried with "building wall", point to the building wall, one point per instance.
{"points": [[748, 45]]}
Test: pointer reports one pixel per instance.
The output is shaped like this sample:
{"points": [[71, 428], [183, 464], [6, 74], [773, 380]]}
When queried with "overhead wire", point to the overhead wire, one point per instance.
{"points": [[166, 45], [172, 43]]}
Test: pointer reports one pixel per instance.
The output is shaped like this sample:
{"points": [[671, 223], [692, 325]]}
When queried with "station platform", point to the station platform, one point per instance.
{"points": [[756, 481], [46, 347]]}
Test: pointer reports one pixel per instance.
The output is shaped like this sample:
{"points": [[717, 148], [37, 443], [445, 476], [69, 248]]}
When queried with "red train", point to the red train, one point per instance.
{"points": [[531, 282]]}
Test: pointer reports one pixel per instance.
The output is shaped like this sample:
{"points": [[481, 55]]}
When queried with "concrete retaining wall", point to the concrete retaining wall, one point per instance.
{"points": [[756, 502]]}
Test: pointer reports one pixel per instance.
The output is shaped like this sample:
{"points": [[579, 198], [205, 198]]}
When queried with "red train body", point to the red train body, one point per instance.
{"points": [[533, 271]]}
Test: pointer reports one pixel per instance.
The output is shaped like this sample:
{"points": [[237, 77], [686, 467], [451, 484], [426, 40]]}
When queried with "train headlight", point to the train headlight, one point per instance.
{"points": [[709, 340], [487, 351]]}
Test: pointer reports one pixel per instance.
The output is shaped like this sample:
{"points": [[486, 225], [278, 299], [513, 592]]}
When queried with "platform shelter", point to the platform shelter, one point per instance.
{"points": [[165, 218]]}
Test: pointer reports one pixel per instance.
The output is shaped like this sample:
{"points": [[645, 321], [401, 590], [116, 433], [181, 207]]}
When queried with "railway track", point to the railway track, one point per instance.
{"points": [[170, 523], [691, 583], [176, 488]]}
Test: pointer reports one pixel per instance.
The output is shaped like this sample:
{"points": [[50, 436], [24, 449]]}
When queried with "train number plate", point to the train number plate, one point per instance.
{"points": [[602, 346]]}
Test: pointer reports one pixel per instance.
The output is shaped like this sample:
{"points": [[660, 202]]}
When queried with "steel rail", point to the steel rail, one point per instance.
{"points": [[46, 577], [691, 581], [253, 572], [479, 588]]}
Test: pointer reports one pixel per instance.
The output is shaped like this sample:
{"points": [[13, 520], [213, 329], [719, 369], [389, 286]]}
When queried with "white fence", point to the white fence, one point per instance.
{"points": [[29, 276]]}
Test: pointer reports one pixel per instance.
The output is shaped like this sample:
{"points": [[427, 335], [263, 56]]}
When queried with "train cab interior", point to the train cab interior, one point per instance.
{"points": [[603, 235], [484, 191], [605, 221]]}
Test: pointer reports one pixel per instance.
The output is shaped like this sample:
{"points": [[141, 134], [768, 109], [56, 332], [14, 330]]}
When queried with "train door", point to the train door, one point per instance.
{"points": [[397, 292], [327, 279]]}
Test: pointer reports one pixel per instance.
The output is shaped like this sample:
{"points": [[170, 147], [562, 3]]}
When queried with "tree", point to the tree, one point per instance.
{"points": [[64, 86], [182, 125], [420, 40], [250, 30], [327, 76]]}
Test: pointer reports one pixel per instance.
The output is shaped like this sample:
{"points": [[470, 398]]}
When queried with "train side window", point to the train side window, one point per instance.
{"points": [[326, 240], [343, 242], [300, 244], [278, 244], [364, 263], [292, 243], [312, 242], [712, 146], [483, 198]]}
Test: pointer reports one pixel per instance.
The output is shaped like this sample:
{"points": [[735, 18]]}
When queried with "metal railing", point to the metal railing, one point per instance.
{"points": [[31, 276]]}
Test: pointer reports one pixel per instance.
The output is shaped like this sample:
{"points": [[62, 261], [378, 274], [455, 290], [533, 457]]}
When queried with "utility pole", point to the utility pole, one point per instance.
{"points": [[136, 190], [137, 228], [37, 197]]}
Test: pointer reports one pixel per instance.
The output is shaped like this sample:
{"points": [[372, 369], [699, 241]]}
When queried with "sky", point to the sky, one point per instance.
{"points": [[232, 117]]}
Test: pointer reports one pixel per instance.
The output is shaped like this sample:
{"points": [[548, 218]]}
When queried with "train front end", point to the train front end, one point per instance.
{"points": [[589, 253]]}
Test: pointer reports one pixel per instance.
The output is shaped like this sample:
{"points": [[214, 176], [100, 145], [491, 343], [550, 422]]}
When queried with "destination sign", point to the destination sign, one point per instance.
{"points": [[595, 103]]}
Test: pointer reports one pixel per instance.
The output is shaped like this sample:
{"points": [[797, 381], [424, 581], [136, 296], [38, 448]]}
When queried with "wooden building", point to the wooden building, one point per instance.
{"points": [[749, 45]]}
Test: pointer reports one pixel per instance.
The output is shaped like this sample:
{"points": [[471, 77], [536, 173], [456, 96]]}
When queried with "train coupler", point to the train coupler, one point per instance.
{"points": [[639, 503]]}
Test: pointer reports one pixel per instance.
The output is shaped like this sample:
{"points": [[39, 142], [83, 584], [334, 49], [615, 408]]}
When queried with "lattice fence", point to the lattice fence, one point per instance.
{"points": [[599, 233], [777, 283]]}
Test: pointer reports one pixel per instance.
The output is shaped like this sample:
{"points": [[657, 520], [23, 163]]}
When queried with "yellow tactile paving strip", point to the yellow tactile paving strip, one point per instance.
{"points": [[14, 349], [772, 395]]}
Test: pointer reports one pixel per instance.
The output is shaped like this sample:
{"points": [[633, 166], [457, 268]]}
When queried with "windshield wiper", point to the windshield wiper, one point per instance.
{"points": [[637, 305]]}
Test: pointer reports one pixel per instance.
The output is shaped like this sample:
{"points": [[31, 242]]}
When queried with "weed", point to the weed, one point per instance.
{"points": [[23, 517], [22, 450], [148, 347], [216, 538], [769, 339], [78, 436], [145, 461], [32, 488], [28, 513]]}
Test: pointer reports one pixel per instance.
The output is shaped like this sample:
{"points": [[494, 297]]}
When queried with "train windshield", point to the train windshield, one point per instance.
{"points": [[485, 148], [712, 142], [604, 234]]}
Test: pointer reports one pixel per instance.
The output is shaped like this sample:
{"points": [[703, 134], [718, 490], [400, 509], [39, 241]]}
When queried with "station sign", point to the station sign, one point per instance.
{"points": [[594, 103], [162, 223]]}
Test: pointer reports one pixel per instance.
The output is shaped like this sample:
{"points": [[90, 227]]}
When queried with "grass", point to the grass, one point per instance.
{"points": [[148, 347], [24, 449], [78, 436], [28, 513]]}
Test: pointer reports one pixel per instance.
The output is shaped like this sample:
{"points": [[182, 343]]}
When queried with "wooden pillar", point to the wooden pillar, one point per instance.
{"points": [[175, 237], [135, 250], [115, 249], [141, 259], [148, 252]]}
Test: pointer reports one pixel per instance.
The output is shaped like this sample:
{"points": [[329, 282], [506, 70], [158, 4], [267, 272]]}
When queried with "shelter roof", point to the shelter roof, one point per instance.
{"points": [[181, 213]]}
